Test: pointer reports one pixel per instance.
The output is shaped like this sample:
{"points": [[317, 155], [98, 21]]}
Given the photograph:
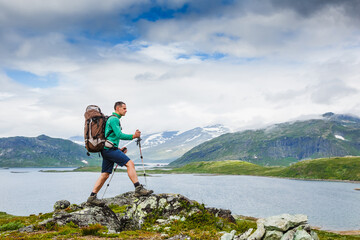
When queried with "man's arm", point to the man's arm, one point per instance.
{"points": [[115, 125]]}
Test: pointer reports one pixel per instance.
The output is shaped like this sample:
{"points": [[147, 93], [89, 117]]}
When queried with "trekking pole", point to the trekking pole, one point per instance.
{"points": [[142, 159], [109, 180]]}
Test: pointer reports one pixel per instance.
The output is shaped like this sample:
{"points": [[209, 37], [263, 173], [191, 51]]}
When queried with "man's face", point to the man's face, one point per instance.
{"points": [[122, 110]]}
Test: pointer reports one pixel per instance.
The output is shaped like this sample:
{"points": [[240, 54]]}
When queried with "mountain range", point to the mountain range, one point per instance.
{"points": [[43, 151], [282, 144], [170, 145]]}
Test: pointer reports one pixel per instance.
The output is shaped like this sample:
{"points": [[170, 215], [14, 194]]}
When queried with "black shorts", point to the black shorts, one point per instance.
{"points": [[111, 156]]}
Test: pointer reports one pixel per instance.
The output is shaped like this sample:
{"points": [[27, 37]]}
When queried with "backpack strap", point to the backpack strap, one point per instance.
{"points": [[113, 115]]}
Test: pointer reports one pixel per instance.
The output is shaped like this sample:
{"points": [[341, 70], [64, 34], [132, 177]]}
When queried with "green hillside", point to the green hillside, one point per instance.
{"points": [[43, 151], [282, 144], [338, 168]]}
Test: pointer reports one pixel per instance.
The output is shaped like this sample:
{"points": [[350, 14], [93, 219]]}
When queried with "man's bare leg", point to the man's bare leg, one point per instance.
{"points": [[100, 182], [131, 171]]}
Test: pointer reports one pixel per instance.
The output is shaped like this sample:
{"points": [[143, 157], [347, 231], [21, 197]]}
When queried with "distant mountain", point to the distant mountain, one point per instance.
{"points": [[42, 151], [281, 144], [170, 145]]}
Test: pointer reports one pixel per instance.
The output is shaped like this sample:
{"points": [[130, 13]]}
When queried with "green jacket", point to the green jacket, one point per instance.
{"points": [[113, 127]]}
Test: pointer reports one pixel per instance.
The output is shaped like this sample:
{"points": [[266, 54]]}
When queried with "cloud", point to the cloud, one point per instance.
{"points": [[330, 91], [177, 64]]}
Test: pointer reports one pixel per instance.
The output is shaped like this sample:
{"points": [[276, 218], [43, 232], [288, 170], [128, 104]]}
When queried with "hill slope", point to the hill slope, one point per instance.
{"points": [[281, 144], [344, 168], [42, 151]]}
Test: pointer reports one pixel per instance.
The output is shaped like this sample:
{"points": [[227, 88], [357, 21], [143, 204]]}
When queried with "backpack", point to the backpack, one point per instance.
{"points": [[94, 130]]}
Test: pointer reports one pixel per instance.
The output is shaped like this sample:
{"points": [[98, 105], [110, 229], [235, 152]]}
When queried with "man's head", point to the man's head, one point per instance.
{"points": [[120, 108]]}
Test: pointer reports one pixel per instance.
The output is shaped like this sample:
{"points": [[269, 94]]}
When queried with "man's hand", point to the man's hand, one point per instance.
{"points": [[123, 149], [137, 134]]}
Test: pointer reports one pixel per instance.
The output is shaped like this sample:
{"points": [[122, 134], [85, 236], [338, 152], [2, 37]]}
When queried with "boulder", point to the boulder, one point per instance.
{"points": [[302, 235], [61, 204], [284, 222], [273, 235], [87, 216], [131, 212], [260, 231]]}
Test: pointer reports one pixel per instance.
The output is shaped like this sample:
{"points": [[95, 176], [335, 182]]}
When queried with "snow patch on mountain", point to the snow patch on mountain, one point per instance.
{"points": [[340, 137]]}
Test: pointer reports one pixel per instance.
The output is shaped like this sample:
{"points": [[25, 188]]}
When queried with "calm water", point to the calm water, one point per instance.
{"points": [[330, 205]]}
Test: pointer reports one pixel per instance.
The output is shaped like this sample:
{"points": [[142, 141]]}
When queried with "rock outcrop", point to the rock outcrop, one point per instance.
{"points": [[127, 212], [281, 227]]}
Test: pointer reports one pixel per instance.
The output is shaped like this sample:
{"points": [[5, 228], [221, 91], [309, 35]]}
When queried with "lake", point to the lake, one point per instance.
{"points": [[329, 205]]}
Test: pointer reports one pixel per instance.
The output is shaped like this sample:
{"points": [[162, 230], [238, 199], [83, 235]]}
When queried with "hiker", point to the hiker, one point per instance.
{"points": [[113, 155]]}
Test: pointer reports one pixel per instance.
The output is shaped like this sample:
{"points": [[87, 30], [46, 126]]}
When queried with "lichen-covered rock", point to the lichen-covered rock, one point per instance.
{"points": [[180, 237], [223, 213], [160, 205], [284, 222], [302, 235], [260, 231], [28, 229], [244, 236], [89, 215], [61, 204], [130, 211], [273, 235], [228, 236], [289, 235]]}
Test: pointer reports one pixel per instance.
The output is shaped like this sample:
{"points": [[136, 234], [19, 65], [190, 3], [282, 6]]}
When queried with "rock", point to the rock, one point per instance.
{"points": [[244, 236], [171, 206], [131, 211], [273, 235], [226, 214], [260, 231], [284, 222], [180, 237], [289, 235], [228, 236], [28, 229], [302, 235], [74, 207], [62, 204], [90, 215]]}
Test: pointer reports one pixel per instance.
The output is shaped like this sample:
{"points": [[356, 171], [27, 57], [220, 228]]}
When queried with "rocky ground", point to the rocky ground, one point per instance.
{"points": [[162, 216]]}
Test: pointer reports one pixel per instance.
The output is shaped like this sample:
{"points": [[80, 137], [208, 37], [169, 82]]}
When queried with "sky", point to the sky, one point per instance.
{"points": [[177, 64]]}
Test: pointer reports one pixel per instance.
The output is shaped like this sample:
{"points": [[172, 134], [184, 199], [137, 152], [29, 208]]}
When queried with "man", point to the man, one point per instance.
{"points": [[112, 154]]}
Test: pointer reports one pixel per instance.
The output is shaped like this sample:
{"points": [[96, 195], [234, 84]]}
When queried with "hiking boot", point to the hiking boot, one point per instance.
{"points": [[141, 191], [94, 201]]}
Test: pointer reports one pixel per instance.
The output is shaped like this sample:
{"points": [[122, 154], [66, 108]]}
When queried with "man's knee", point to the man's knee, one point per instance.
{"points": [[130, 164], [105, 175]]}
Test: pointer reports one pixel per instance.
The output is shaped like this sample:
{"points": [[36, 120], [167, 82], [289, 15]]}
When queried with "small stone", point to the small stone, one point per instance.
{"points": [[29, 228], [180, 237], [62, 204]]}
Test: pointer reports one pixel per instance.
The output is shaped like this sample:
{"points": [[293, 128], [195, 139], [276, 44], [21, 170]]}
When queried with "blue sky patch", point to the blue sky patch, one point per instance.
{"points": [[33, 80], [157, 13]]}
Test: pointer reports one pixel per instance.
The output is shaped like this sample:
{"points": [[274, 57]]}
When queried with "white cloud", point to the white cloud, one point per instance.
{"points": [[278, 65]]}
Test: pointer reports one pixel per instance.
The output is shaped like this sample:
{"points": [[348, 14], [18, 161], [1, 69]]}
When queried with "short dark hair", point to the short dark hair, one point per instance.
{"points": [[119, 103]]}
